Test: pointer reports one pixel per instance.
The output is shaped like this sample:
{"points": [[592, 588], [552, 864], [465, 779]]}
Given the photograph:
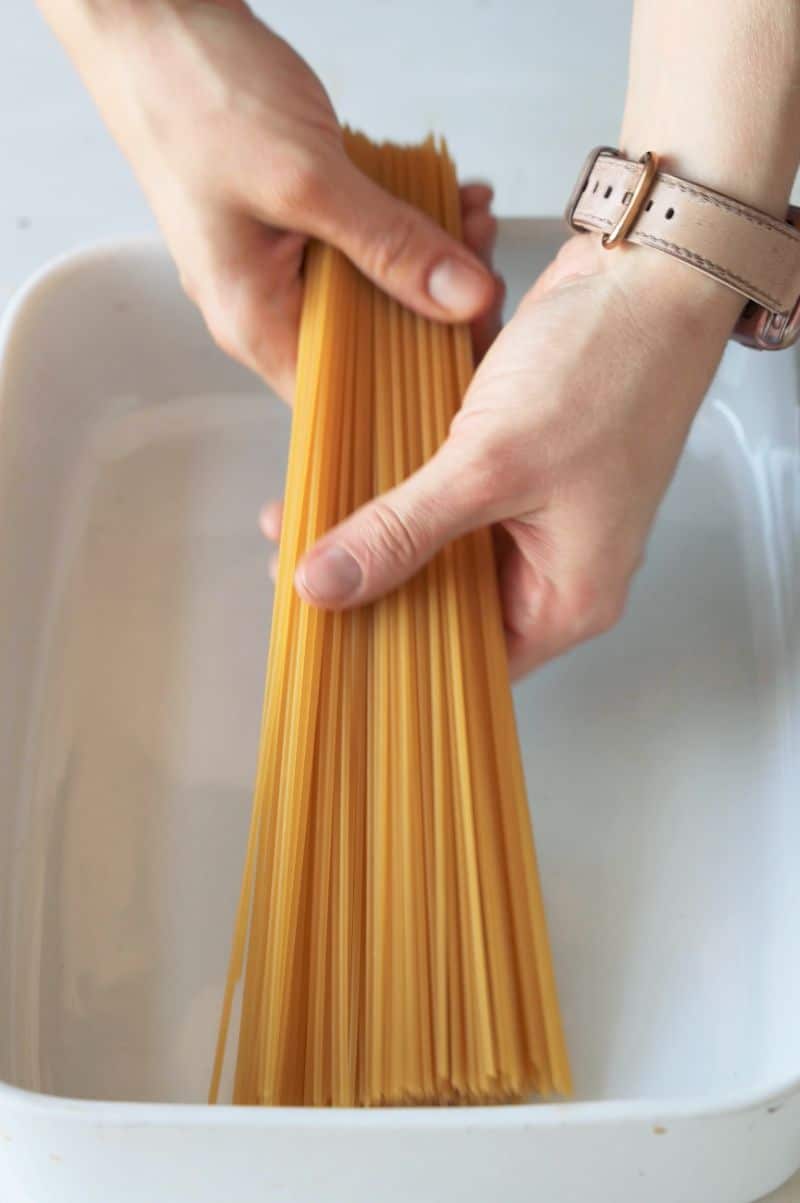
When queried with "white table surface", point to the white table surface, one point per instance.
{"points": [[522, 89]]}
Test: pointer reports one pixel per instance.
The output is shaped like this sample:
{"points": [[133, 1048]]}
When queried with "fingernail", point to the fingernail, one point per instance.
{"points": [[458, 286], [330, 575]]}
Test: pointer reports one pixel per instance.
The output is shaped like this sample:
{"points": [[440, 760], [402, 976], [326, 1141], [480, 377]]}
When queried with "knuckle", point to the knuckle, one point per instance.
{"points": [[493, 469], [392, 537], [249, 316], [221, 330], [591, 608], [234, 313], [243, 324], [609, 613], [393, 245], [301, 184], [488, 485], [190, 284]]}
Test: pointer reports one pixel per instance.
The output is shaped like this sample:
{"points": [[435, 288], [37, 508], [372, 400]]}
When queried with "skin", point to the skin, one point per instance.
{"points": [[578, 413]]}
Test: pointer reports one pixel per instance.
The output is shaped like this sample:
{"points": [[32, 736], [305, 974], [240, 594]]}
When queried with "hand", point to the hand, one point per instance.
{"points": [[567, 439], [480, 232], [237, 146]]}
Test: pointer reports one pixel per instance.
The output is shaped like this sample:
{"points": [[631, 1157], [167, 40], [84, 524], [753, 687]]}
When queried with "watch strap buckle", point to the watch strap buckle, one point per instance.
{"points": [[751, 252]]}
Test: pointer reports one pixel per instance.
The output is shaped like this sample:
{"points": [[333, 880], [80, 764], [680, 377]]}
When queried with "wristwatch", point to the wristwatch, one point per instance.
{"points": [[751, 252]]}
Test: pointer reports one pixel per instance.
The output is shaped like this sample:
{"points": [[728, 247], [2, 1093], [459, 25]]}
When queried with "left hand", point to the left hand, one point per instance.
{"points": [[240, 153]]}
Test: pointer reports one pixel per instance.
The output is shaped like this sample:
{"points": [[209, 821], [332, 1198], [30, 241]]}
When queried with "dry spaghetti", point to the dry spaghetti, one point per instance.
{"points": [[390, 933]]}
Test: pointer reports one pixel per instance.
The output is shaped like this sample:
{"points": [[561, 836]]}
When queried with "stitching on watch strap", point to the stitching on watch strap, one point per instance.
{"points": [[730, 206], [727, 239], [692, 256]]}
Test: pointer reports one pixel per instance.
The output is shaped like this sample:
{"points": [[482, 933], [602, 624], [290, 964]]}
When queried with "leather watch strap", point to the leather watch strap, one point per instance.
{"points": [[747, 250]]}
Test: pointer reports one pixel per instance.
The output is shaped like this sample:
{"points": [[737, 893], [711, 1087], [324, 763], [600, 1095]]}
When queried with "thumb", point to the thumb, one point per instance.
{"points": [[385, 542], [402, 250]]}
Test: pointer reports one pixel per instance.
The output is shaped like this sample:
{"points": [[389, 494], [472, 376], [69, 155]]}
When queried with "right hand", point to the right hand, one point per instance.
{"points": [[567, 438], [238, 149]]}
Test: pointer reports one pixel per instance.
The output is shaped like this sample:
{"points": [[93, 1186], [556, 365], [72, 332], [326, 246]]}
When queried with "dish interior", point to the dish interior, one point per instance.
{"points": [[662, 759]]}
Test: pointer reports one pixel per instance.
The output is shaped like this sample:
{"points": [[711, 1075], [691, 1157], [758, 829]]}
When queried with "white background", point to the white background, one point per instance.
{"points": [[522, 89]]}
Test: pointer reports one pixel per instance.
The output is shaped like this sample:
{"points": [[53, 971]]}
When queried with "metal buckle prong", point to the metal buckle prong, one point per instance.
{"points": [[631, 211]]}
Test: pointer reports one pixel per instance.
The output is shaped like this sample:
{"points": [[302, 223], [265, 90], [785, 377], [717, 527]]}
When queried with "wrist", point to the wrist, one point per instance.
{"points": [[661, 294], [673, 297], [676, 315]]}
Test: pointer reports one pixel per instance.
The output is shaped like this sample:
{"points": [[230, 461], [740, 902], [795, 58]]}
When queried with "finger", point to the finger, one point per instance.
{"points": [[401, 249], [486, 328], [247, 282], [387, 541], [476, 194], [272, 567], [546, 609], [528, 600], [270, 520], [480, 234]]}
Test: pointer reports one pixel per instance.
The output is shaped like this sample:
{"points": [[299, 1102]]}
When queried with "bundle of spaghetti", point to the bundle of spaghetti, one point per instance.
{"points": [[390, 938]]}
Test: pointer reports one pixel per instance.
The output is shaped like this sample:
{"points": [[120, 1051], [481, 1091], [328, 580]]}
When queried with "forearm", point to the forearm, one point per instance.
{"points": [[79, 24], [105, 40], [714, 90]]}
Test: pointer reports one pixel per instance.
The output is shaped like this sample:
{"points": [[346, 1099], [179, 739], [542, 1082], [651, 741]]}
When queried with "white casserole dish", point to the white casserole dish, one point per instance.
{"points": [[663, 765]]}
